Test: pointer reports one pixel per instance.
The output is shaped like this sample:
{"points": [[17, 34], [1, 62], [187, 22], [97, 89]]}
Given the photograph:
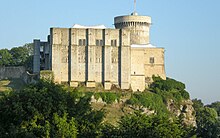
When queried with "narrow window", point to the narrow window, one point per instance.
{"points": [[82, 42], [114, 42], [99, 42], [152, 60]]}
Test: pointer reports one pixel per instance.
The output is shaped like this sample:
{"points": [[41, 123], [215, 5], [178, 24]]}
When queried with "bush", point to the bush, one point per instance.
{"points": [[47, 110], [154, 126], [149, 100], [47, 75], [167, 85], [108, 97], [185, 94], [169, 89]]}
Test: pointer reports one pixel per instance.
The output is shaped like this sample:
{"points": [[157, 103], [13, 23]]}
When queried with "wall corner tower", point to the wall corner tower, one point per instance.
{"points": [[139, 27]]}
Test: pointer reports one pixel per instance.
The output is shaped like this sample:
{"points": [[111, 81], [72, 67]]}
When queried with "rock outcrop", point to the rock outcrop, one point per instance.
{"points": [[184, 111]]}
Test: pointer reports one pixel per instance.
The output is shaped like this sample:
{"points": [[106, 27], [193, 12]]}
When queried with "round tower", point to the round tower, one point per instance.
{"points": [[139, 27]]}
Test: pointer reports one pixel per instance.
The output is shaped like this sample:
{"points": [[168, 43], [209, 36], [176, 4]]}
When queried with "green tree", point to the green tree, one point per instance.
{"points": [[169, 89], [19, 55], [140, 125], [110, 131], [197, 104], [63, 128], [30, 48], [216, 106], [168, 84], [29, 61], [206, 120], [47, 110], [208, 125], [5, 57]]}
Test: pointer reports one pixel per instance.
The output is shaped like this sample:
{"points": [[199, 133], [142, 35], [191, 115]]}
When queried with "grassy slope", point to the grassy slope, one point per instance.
{"points": [[114, 111]]}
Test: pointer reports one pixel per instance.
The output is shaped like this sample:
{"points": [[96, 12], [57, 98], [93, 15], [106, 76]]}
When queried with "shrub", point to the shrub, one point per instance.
{"points": [[167, 84], [169, 89], [150, 100], [185, 94], [108, 97], [47, 75]]}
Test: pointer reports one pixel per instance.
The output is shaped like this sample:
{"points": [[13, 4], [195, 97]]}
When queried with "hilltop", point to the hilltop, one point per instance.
{"points": [[45, 109], [162, 97]]}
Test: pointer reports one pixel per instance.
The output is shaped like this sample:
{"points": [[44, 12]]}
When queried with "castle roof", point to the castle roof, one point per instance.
{"points": [[134, 13], [93, 27], [143, 46]]}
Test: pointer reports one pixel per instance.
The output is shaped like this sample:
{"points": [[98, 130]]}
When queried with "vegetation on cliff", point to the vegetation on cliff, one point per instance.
{"points": [[49, 110]]}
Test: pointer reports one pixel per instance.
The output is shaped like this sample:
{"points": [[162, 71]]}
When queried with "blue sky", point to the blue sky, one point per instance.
{"points": [[189, 30]]}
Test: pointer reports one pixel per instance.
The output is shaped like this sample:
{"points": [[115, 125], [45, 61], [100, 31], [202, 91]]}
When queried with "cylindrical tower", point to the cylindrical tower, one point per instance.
{"points": [[138, 25]]}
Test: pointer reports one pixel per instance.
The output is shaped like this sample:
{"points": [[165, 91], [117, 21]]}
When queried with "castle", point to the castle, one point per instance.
{"points": [[98, 55]]}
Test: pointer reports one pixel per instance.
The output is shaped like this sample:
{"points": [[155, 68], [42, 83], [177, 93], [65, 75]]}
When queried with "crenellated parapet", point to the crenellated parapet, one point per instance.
{"points": [[139, 27]]}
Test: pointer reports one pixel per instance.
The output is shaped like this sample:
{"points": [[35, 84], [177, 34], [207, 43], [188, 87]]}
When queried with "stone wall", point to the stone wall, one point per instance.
{"points": [[88, 62], [91, 63], [157, 67], [141, 66], [12, 72], [137, 69]]}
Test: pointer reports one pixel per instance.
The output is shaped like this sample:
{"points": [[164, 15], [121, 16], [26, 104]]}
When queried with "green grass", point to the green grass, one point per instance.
{"points": [[113, 112]]}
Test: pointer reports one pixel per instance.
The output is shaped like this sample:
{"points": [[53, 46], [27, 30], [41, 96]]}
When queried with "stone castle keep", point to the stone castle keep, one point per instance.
{"points": [[95, 54]]}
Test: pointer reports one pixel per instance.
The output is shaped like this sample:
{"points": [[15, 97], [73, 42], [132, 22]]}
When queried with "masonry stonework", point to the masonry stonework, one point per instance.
{"points": [[91, 55]]}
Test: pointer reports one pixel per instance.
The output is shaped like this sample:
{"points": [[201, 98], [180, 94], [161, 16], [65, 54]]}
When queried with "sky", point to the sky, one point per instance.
{"points": [[189, 30]]}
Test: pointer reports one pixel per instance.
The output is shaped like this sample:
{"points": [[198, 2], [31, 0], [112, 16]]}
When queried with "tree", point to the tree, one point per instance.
{"points": [[5, 57], [141, 125], [47, 110], [167, 85], [19, 55], [216, 106], [63, 128], [197, 104], [29, 61], [208, 125], [206, 120], [170, 88], [30, 48]]}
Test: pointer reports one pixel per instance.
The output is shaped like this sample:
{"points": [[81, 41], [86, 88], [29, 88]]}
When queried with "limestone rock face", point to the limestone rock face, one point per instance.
{"points": [[99, 100], [185, 111]]}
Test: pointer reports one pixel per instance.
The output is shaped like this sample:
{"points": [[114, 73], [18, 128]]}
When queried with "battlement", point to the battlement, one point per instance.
{"points": [[132, 20], [139, 27]]}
